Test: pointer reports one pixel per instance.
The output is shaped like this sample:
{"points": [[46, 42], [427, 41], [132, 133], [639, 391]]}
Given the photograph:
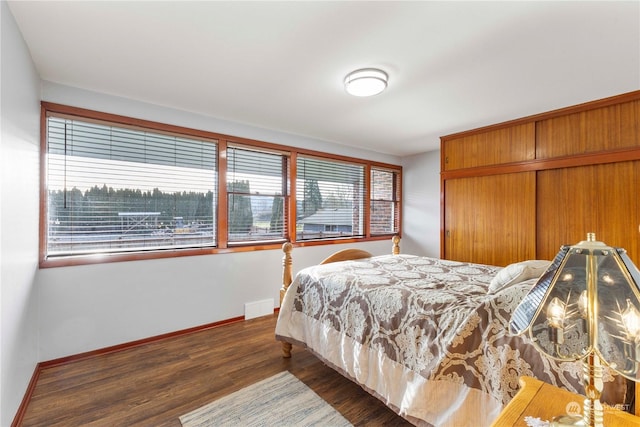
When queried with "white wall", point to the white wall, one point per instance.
{"points": [[421, 204], [76, 97], [90, 307], [19, 147], [56, 312]]}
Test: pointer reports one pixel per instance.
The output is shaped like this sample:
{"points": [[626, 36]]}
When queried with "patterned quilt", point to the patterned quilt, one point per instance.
{"points": [[424, 335]]}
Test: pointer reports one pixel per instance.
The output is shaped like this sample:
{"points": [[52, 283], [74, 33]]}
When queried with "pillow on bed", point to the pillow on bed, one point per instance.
{"points": [[518, 272]]}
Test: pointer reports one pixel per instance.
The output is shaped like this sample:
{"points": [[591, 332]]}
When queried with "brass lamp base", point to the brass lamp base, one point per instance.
{"points": [[567, 421]]}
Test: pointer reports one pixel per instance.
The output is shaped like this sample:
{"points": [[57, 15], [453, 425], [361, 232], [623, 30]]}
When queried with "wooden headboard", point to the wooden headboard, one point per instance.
{"points": [[520, 189]]}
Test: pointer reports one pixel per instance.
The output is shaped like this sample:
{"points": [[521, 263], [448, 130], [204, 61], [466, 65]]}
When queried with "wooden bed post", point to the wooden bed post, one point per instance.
{"points": [[395, 249], [287, 274]]}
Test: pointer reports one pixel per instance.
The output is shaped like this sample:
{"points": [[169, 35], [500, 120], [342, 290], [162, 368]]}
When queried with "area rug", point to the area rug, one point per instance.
{"points": [[281, 400]]}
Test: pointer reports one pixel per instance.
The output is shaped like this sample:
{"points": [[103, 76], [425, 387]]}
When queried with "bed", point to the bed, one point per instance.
{"points": [[428, 337]]}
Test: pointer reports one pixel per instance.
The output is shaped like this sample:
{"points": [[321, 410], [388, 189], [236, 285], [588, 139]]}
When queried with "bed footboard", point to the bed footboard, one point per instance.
{"points": [[344, 255]]}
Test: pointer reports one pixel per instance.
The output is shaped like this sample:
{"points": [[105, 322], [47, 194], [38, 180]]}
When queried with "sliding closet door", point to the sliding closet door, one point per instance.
{"points": [[603, 199], [490, 219]]}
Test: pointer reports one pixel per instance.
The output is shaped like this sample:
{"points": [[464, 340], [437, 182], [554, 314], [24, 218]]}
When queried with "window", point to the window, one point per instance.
{"points": [[256, 194], [330, 199], [125, 189], [385, 201], [118, 189]]}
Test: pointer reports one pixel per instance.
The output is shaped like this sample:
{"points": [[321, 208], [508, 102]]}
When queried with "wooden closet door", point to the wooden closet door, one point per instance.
{"points": [[490, 219], [603, 199]]}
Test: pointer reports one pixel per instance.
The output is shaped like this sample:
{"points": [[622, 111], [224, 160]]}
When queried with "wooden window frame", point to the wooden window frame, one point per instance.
{"points": [[395, 201], [224, 141], [359, 201], [284, 168]]}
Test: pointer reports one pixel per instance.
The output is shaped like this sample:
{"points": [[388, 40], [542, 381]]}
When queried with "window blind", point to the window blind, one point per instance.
{"points": [[257, 195], [330, 199], [385, 201], [115, 189]]}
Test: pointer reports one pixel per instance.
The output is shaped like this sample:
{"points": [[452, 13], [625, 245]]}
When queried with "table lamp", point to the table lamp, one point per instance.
{"points": [[586, 306]]}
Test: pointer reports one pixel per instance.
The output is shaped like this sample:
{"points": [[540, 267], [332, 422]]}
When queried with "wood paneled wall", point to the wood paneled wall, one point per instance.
{"points": [[521, 189], [601, 129], [490, 148]]}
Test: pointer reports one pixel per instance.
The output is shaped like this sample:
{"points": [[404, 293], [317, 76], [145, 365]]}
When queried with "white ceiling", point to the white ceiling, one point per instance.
{"points": [[452, 66]]}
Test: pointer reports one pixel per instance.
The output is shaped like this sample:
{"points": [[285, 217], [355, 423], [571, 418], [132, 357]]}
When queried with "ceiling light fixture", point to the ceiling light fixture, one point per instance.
{"points": [[366, 82]]}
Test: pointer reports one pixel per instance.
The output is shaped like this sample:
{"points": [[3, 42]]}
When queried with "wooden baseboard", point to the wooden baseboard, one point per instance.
{"points": [[17, 421], [131, 344], [22, 409]]}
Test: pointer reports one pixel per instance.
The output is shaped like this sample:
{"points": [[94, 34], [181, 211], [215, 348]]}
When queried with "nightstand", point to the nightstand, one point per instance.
{"points": [[541, 400]]}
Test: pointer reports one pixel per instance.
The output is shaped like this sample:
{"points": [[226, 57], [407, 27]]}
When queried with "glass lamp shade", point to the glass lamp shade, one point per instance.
{"points": [[586, 303]]}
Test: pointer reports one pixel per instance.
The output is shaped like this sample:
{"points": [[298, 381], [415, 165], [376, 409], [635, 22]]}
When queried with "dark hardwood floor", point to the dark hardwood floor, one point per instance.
{"points": [[155, 383]]}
